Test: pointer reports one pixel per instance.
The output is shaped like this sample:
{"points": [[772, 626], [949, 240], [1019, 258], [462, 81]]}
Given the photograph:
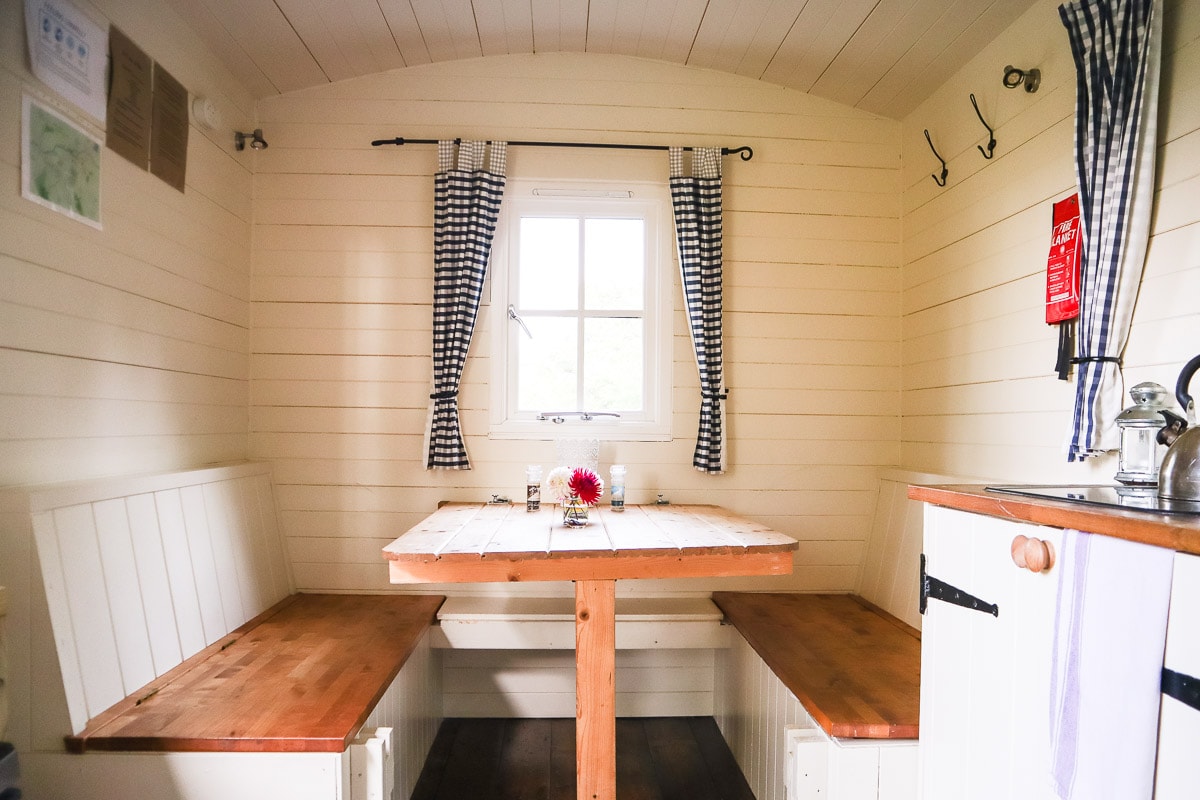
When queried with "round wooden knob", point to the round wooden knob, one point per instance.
{"points": [[1018, 550], [1039, 555]]}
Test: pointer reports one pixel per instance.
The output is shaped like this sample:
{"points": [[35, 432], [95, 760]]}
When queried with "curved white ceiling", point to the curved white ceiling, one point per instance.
{"points": [[882, 56]]}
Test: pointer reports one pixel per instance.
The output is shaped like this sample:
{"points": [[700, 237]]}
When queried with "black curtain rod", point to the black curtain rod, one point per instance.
{"points": [[746, 153]]}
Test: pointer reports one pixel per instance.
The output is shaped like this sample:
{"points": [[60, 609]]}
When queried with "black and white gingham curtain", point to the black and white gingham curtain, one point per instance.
{"points": [[1117, 46], [697, 203], [466, 204]]}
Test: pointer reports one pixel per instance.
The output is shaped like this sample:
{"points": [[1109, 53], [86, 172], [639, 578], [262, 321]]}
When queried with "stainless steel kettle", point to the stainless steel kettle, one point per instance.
{"points": [[1179, 476]]}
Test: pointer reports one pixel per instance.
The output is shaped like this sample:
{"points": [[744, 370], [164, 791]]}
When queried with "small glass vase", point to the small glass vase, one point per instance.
{"points": [[575, 512]]}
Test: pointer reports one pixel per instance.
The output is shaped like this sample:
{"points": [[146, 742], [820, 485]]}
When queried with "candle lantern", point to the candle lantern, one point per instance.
{"points": [[1141, 454]]}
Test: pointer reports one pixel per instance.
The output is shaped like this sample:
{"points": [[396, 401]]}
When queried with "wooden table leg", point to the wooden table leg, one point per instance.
{"points": [[595, 690]]}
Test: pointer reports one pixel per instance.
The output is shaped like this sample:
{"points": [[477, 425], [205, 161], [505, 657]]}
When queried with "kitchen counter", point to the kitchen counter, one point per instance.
{"points": [[1177, 532]]}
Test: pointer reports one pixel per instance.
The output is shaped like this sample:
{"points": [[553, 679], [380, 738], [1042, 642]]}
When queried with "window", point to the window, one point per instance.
{"points": [[582, 309]]}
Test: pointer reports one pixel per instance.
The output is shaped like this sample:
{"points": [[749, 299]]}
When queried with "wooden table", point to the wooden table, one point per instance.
{"points": [[461, 543]]}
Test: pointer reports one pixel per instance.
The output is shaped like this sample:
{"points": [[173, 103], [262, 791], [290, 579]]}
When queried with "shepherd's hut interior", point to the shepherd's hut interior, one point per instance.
{"points": [[721, 399]]}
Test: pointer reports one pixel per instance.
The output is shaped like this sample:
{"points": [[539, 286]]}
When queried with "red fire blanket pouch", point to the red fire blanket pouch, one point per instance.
{"points": [[1062, 280], [1062, 266]]}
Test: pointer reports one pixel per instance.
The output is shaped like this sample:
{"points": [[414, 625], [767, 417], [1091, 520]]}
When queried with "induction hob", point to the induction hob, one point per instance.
{"points": [[1125, 497]]}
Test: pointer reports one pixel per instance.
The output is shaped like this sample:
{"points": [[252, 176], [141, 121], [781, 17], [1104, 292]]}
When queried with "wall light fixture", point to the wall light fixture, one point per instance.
{"points": [[254, 139]]}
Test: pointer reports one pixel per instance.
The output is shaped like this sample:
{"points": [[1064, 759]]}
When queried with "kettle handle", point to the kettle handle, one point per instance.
{"points": [[1181, 386]]}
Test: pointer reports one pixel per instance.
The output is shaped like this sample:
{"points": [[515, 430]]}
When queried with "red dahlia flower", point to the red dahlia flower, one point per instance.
{"points": [[587, 485]]}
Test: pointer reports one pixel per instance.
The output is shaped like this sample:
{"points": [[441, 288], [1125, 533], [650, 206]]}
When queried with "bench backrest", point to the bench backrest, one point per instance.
{"points": [[140, 573], [892, 563]]}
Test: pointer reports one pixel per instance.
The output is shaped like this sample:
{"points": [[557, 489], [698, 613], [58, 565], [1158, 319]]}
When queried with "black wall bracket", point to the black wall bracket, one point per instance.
{"points": [[940, 590]]}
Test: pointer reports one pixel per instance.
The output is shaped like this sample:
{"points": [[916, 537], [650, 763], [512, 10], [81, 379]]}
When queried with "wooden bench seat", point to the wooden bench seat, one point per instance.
{"points": [[854, 668], [301, 677]]}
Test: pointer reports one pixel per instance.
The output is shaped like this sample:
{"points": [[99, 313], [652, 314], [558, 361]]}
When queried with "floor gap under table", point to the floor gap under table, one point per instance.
{"points": [[658, 758]]}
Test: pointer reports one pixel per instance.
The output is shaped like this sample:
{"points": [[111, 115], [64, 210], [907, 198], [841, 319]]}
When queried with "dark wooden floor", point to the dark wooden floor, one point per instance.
{"points": [[664, 758]]}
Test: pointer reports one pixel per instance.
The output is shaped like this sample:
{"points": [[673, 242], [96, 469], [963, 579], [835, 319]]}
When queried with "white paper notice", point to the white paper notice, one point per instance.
{"points": [[68, 52]]}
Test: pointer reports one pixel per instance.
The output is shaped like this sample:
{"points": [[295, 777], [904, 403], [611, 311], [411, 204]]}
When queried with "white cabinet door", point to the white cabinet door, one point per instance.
{"points": [[985, 679], [1178, 774]]}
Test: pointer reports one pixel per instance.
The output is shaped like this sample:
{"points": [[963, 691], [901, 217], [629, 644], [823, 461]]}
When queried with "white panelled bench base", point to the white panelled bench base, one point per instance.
{"points": [[785, 754], [116, 583], [548, 623], [513, 656]]}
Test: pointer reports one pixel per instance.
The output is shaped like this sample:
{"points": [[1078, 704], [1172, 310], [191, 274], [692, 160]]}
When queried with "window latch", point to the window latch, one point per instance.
{"points": [[515, 317], [559, 417]]}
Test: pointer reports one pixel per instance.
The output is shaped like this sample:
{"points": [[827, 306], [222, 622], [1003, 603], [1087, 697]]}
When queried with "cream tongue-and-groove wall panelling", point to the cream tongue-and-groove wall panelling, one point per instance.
{"points": [[125, 350], [979, 392], [342, 293]]}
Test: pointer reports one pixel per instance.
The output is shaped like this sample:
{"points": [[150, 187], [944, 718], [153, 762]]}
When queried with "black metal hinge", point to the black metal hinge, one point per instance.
{"points": [[1183, 688], [940, 590]]}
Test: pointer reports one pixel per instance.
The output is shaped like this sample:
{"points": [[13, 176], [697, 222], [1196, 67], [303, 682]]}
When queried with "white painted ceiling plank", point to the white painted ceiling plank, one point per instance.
{"points": [[492, 27], [813, 42], [264, 32], [518, 25], [878, 44], [370, 31], [923, 60], [773, 28], [741, 34], [711, 35], [449, 33], [632, 18], [547, 34], [306, 17], [933, 59], [601, 25], [685, 21], [405, 32], [217, 38]]}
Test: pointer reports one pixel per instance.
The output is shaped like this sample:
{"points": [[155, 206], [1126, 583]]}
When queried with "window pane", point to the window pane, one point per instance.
{"points": [[614, 263], [549, 264], [546, 364], [612, 354]]}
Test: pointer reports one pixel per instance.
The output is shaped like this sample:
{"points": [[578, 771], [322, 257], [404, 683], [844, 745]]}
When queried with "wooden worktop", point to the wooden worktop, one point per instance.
{"points": [[1175, 531]]}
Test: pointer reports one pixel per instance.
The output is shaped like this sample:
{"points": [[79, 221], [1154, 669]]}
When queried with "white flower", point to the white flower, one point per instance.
{"points": [[556, 484]]}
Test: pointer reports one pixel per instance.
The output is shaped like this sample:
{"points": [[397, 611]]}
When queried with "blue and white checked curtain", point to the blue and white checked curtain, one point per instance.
{"points": [[697, 203], [466, 203], [1117, 46]]}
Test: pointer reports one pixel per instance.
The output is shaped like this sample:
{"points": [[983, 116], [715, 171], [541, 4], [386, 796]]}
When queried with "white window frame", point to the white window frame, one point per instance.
{"points": [[617, 198]]}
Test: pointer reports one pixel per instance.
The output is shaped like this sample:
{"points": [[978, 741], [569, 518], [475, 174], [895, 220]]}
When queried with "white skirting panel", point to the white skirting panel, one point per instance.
{"points": [[541, 683], [186, 776], [412, 708], [752, 709], [784, 753]]}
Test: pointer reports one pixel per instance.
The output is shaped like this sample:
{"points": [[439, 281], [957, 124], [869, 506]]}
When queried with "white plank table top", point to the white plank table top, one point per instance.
{"points": [[463, 543], [488, 543]]}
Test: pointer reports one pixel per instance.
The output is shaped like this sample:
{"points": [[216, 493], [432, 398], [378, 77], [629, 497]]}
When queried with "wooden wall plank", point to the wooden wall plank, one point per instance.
{"points": [[979, 394], [152, 309], [342, 296]]}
